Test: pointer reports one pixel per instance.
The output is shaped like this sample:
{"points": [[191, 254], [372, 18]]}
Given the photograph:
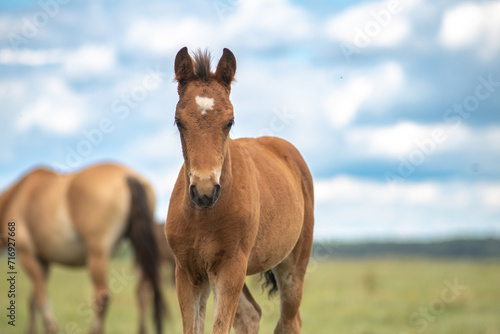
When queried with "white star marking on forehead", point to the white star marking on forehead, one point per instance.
{"points": [[204, 104]]}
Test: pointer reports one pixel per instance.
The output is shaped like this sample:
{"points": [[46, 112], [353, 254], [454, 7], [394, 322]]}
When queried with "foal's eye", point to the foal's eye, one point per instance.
{"points": [[230, 124], [179, 124]]}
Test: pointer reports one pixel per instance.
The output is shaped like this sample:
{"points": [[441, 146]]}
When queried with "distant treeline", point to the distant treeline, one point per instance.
{"points": [[460, 248]]}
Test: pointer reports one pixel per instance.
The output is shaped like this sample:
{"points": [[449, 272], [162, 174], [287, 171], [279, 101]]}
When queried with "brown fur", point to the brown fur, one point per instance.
{"points": [[261, 219], [78, 219]]}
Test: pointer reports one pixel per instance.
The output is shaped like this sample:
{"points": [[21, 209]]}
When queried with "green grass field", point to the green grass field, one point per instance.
{"points": [[389, 296]]}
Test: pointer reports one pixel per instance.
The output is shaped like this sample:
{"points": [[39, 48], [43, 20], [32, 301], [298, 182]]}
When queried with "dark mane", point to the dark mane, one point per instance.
{"points": [[202, 64]]}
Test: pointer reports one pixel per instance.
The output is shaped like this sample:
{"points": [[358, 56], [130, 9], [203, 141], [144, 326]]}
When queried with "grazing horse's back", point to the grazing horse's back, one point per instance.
{"points": [[65, 213], [100, 203]]}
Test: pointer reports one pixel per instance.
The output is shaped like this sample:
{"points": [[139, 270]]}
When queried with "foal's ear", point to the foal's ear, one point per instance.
{"points": [[226, 68], [183, 66]]}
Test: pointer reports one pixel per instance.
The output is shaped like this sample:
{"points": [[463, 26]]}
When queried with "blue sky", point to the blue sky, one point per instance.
{"points": [[394, 104]]}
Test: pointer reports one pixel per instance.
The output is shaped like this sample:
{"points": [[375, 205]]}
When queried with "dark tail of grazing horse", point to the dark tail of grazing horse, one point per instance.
{"points": [[143, 240]]}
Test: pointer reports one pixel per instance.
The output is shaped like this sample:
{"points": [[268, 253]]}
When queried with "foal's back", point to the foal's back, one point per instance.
{"points": [[284, 185], [279, 153]]}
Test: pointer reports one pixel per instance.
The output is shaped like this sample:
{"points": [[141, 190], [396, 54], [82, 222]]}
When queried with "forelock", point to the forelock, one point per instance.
{"points": [[202, 64]]}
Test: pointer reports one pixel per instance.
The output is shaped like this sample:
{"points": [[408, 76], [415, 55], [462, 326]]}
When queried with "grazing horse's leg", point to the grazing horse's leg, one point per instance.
{"points": [[37, 271], [98, 264], [248, 313], [227, 283], [142, 298], [192, 301], [32, 328]]}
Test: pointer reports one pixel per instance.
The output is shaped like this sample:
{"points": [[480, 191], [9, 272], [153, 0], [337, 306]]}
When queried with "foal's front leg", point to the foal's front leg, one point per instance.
{"points": [[192, 301], [227, 283]]}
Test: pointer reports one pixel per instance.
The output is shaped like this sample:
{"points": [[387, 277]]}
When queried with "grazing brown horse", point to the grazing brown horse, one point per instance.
{"points": [[78, 219], [239, 207]]}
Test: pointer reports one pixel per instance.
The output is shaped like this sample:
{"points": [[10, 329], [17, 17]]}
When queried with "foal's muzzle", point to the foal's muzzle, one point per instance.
{"points": [[203, 197]]}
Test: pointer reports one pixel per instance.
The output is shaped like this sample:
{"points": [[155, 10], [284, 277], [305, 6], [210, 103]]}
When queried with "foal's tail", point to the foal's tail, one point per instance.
{"points": [[141, 235], [269, 281]]}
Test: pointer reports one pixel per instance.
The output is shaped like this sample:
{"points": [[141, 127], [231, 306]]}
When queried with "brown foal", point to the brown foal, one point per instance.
{"points": [[239, 207]]}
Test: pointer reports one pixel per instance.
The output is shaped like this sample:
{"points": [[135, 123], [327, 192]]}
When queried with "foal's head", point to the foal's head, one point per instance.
{"points": [[204, 116]]}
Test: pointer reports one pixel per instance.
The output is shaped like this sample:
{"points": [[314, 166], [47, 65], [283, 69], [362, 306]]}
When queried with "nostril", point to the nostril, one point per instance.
{"points": [[192, 192], [216, 192]]}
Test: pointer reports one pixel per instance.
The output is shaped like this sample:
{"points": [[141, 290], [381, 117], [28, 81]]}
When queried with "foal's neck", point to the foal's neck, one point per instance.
{"points": [[226, 178]]}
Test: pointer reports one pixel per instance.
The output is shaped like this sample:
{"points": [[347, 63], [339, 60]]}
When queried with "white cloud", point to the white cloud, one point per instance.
{"points": [[169, 35], [402, 138], [57, 110], [484, 138], [90, 59], [388, 140], [12, 90], [382, 24], [376, 87], [491, 196], [264, 23], [253, 24], [30, 57], [349, 207], [163, 145], [461, 25], [346, 189], [6, 23], [399, 31], [344, 102], [472, 25]]}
